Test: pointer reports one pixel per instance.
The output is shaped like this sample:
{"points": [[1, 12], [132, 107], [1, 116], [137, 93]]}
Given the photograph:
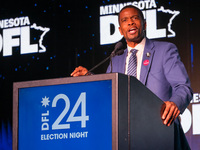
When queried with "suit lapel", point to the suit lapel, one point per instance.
{"points": [[146, 60], [123, 64]]}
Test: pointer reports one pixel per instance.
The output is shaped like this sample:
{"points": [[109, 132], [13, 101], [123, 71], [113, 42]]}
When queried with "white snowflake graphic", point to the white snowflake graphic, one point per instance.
{"points": [[45, 101]]}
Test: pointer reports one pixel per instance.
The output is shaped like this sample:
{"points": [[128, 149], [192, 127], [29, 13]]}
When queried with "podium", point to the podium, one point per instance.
{"points": [[101, 112]]}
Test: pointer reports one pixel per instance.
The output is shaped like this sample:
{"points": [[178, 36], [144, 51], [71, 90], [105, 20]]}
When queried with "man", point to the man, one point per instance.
{"points": [[158, 67]]}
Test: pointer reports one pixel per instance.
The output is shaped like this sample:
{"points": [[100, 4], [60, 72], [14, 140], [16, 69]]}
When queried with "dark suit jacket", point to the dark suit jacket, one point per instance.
{"points": [[164, 74]]}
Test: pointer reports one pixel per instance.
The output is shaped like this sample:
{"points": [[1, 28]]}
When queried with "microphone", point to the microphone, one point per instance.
{"points": [[118, 47], [118, 50]]}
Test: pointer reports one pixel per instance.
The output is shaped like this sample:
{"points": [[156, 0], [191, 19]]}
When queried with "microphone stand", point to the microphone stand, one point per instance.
{"points": [[89, 72], [118, 48], [119, 52]]}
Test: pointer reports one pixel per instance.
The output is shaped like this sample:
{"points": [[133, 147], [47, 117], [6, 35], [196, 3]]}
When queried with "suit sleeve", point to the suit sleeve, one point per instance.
{"points": [[177, 76]]}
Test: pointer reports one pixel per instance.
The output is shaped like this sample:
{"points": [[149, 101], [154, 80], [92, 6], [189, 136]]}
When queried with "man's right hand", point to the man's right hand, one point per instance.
{"points": [[79, 71]]}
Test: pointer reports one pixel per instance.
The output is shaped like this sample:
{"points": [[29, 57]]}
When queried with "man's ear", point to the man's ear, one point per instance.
{"points": [[145, 25], [120, 30]]}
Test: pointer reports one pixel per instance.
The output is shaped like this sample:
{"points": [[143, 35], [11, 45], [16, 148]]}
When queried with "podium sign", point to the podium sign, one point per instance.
{"points": [[101, 112], [66, 113]]}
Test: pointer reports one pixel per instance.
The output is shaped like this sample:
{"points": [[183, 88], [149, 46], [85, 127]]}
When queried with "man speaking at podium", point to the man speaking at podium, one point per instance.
{"points": [[156, 64]]}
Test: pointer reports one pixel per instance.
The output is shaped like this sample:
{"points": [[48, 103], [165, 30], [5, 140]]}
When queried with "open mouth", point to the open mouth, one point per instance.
{"points": [[132, 30]]}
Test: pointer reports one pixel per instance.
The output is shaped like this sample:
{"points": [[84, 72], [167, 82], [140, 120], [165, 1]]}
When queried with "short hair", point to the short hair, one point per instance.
{"points": [[134, 7]]}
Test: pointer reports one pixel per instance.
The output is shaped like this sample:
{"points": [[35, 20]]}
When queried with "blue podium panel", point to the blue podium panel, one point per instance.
{"points": [[72, 116]]}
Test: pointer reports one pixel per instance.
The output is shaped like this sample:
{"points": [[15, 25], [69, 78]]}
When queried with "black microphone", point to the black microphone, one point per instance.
{"points": [[118, 47], [118, 50]]}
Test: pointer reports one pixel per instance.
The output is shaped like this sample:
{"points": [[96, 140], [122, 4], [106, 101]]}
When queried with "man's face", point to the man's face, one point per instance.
{"points": [[131, 25]]}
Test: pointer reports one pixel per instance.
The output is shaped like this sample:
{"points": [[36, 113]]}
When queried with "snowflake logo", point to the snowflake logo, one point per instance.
{"points": [[45, 101]]}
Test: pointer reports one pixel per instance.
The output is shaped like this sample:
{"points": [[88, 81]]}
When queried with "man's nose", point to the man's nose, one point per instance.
{"points": [[131, 22]]}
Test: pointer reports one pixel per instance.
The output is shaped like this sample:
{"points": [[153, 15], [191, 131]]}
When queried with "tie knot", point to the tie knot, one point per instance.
{"points": [[134, 51]]}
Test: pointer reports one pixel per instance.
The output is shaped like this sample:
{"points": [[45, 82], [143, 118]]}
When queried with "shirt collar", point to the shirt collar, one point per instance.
{"points": [[139, 47]]}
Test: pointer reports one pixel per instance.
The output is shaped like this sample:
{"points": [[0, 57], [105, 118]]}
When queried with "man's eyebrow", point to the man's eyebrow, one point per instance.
{"points": [[135, 16], [124, 17], [130, 17]]}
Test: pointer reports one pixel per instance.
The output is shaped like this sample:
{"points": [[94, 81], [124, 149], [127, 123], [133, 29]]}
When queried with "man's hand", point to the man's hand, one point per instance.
{"points": [[169, 112], [79, 71]]}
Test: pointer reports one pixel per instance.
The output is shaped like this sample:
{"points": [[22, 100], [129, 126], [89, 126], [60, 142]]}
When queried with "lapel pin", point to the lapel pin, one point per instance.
{"points": [[146, 62], [148, 54]]}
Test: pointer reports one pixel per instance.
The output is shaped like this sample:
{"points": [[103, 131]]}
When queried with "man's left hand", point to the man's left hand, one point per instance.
{"points": [[170, 112]]}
